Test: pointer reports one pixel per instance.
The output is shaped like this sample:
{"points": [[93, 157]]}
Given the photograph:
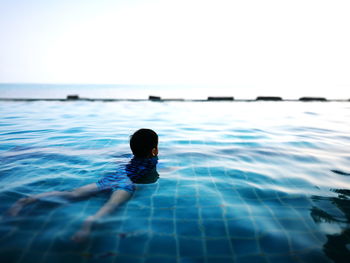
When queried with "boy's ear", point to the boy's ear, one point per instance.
{"points": [[154, 152]]}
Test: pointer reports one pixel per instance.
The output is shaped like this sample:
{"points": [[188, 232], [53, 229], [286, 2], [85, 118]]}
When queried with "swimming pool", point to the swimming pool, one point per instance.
{"points": [[239, 181]]}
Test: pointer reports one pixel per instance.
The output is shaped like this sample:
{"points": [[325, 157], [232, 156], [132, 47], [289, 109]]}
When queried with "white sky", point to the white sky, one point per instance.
{"points": [[265, 45]]}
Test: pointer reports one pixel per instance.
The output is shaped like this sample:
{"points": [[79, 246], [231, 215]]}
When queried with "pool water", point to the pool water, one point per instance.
{"points": [[239, 181]]}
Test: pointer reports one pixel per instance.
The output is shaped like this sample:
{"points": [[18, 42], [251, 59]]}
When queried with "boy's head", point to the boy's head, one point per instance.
{"points": [[144, 143]]}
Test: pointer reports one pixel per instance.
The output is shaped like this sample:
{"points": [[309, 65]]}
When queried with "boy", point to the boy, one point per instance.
{"points": [[140, 169]]}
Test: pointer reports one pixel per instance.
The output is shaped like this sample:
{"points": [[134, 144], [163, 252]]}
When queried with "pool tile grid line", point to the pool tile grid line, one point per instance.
{"points": [[151, 235], [52, 240], [200, 219], [275, 219], [26, 250], [278, 218], [297, 213], [84, 204], [36, 233], [296, 255], [253, 220], [47, 253], [177, 242], [83, 211], [120, 228], [9, 234], [304, 222], [89, 247], [117, 249], [149, 229], [222, 214], [219, 237], [231, 179], [294, 252]]}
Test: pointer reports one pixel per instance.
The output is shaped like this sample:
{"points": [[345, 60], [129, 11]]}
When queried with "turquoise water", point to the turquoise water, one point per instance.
{"points": [[239, 182]]}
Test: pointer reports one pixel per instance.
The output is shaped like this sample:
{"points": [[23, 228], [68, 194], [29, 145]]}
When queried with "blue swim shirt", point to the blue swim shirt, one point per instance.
{"points": [[128, 174], [139, 167]]}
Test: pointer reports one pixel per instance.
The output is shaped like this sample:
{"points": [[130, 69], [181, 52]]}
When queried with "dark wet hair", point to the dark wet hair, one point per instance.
{"points": [[142, 142]]}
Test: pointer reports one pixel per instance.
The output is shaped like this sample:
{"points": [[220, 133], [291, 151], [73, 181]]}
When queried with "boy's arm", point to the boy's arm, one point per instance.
{"points": [[117, 198]]}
